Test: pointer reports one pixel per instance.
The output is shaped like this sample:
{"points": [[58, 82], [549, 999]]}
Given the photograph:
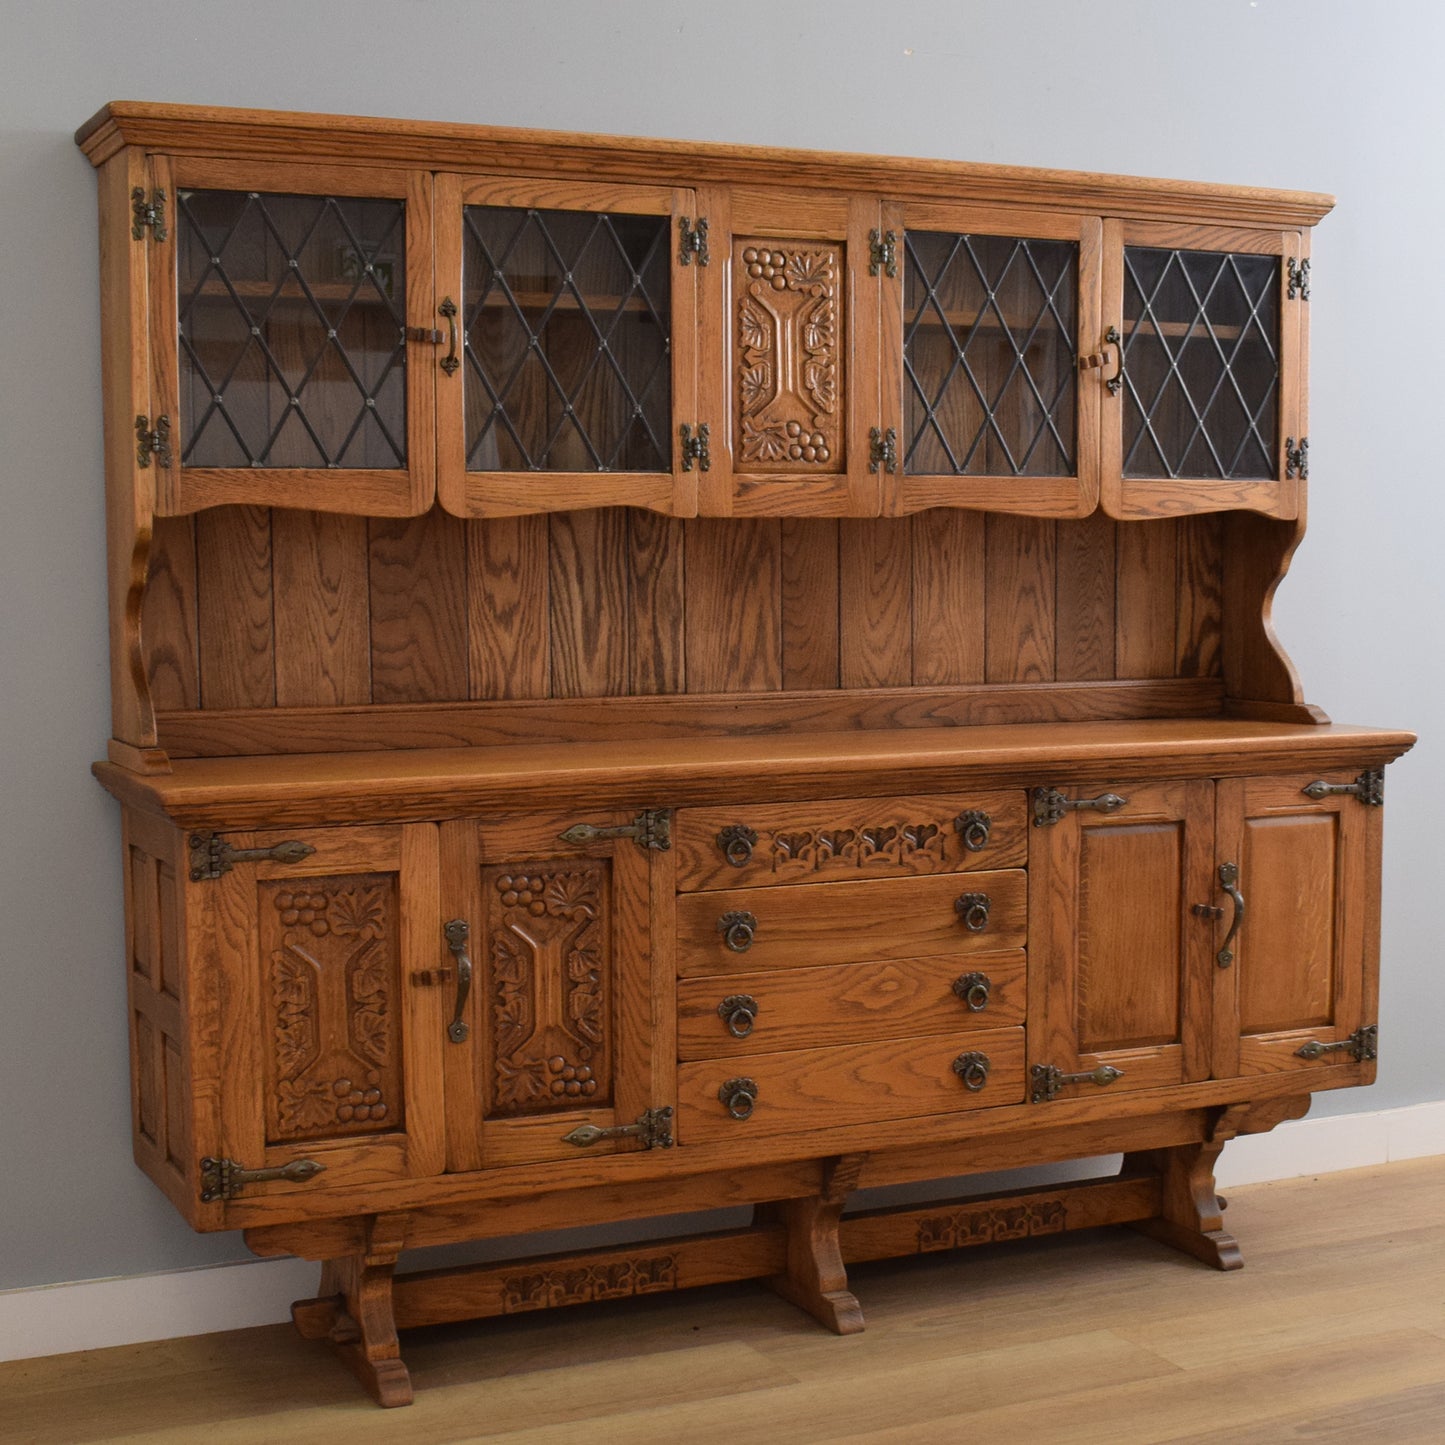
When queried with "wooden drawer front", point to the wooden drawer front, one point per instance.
{"points": [[848, 922], [850, 838], [847, 1003], [850, 1084]]}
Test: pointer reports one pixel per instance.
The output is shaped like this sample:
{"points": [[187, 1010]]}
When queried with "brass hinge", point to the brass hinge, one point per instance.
{"points": [[1299, 279], [153, 441], [883, 252], [211, 855], [225, 1178], [145, 213], [651, 828], [882, 449], [1048, 1080], [1363, 1045], [691, 241], [695, 448], [1297, 458], [1369, 788], [654, 1128]]}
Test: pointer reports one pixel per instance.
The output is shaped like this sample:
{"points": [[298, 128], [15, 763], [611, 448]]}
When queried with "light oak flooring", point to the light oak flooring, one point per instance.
{"points": [[1334, 1330]]}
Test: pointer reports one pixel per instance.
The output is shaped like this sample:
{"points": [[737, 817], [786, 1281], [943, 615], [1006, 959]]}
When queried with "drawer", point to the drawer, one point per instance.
{"points": [[850, 1084], [847, 1003], [753, 847], [802, 925]]}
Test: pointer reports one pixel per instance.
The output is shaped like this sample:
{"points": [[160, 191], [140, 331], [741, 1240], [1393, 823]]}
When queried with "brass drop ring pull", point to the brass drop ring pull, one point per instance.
{"points": [[1229, 881], [973, 989], [973, 909], [738, 1096], [737, 841], [973, 828], [739, 1011], [457, 932], [737, 929], [973, 1070], [450, 362]]}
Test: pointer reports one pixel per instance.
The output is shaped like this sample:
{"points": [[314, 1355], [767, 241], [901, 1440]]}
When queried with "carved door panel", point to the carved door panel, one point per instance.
{"points": [[1305, 957], [983, 329], [1120, 965], [557, 1031], [572, 345], [312, 1029], [789, 312]]}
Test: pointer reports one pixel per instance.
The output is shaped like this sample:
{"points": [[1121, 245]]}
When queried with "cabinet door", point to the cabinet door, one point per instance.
{"points": [[311, 1031], [1203, 391], [983, 319], [288, 307], [789, 354], [557, 1031], [1120, 967], [1306, 955], [576, 309]]}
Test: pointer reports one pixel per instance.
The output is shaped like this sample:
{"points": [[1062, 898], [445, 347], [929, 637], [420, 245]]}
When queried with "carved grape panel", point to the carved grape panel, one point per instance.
{"points": [[788, 365], [332, 995], [547, 985]]}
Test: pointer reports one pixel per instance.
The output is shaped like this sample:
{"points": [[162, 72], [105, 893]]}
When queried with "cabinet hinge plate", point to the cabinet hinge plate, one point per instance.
{"points": [[1362, 1045], [653, 1128], [1369, 788], [1048, 1079], [212, 856], [651, 828], [1297, 458], [883, 252], [153, 441], [882, 449], [695, 447], [147, 213], [225, 1178], [691, 241], [1299, 279]]}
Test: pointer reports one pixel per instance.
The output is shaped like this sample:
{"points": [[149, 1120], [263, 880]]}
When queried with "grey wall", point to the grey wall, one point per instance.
{"points": [[1317, 94]]}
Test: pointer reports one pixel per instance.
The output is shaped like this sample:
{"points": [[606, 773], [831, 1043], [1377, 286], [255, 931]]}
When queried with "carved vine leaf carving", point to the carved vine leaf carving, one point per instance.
{"points": [[307, 1106], [293, 996], [371, 1015], [767, 443], [848, 847], [359, 912]]}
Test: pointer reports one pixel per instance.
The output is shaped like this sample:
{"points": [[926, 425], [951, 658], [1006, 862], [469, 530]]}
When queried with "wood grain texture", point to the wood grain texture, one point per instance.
{"points": [[875, 576], [734, 648], [234, 607], [1200, 597], [809, 567], [658, 595], [508, 607], [587, 564], [1021, 600], [168, 621], [1146, 622], [948, 597], [1085, 641]]}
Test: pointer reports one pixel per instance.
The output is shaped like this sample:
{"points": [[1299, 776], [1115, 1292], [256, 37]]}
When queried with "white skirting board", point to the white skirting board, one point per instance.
{"points": [[97, 1313]]}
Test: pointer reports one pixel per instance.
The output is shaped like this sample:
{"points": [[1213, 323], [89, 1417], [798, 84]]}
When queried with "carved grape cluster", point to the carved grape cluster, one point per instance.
{"points": [[303, 910], [806, 446], [570, 1081], [357, 1103], [524, 891], [764, 265]]}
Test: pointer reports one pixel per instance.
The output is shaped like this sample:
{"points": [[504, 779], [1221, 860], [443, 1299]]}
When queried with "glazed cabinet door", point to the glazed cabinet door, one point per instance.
{"points": [[312, 1030], [1297, 980], [1121, 965], [571, 362], [553, 1040], [291, 338], [789, 355], [1200, 371], [987, 310]]}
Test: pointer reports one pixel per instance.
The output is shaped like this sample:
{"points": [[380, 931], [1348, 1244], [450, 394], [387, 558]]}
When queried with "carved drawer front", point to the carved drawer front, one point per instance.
{"points": [[781, 1093], [719, 1016], [895, 918], [830, 842]]}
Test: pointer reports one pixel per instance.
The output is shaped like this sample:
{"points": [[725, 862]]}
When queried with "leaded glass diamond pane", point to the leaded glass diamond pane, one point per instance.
{"points": [[990, 355], [567, 327], [292, 330], [1201, 364]]}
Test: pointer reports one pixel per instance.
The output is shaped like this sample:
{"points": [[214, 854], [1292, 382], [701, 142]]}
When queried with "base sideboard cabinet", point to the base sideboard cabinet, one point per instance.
{"points": [[651, 676]]}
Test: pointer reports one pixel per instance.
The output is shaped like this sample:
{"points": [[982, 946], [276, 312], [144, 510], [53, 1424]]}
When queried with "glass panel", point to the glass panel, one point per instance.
{"points": [[990, 355], [1201, 364], [567, 331], [292, 330]]}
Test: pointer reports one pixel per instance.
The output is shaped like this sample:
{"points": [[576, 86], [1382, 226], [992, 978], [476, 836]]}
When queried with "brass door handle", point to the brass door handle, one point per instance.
{"points": [[973, 909], [739, 1011], [1229, 881], [1099, 359], [973, 827], [973, 989], [738, 1096], [737, 929], [450, 362], [973, 1070], [457, 932], [737, 842]]}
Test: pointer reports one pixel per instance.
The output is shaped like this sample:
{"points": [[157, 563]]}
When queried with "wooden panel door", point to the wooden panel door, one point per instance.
{"points": [[311, 1028], [290, 307], [789, 354], [1306, 955], [572, 360], [558, 1031], [1120, 965]]}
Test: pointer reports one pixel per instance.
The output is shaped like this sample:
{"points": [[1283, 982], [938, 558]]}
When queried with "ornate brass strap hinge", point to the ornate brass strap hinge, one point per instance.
{"points": [[153, 441], [883, 449], [883, 252], [1363, 1045], [695, 447], [691, 241], [1297, 458], [1369, 788], [147, 213], [652, 828], [1048, 1080], [1299, 279], [211, 855], [225, 1178], [1050, 805], [654, 1128]]}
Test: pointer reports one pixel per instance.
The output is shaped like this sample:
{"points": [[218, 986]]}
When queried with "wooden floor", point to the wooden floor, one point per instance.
{"points": [[1334, 1330]]}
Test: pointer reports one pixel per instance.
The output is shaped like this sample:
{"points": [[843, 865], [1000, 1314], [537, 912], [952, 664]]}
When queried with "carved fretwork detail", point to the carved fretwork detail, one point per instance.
{"points": [[789, 365], [334, 1065], [812, 850], [548, 968], [962, 1227], [578, 1284]]}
